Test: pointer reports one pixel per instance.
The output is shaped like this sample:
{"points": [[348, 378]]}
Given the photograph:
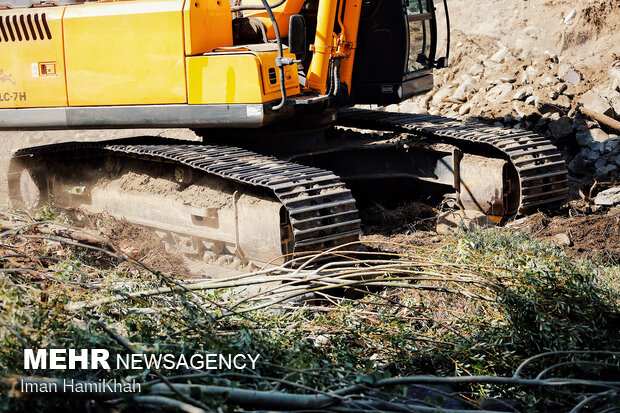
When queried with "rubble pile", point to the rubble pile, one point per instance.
{"points": [[572, 98], [543, 94]]}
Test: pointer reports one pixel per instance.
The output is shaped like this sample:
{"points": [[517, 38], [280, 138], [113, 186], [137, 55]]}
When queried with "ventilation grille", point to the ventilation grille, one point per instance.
{"points": [[24, 27]]}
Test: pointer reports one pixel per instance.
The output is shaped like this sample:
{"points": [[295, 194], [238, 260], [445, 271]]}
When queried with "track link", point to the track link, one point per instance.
{"points": [[543, 177], [321, 210]]}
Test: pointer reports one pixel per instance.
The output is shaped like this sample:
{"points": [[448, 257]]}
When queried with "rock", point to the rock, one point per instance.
{"points": [[441, 95], [447, 222], [563, 102], [531, 100], [598, 135], [499, 93], [393, 108], [600, 163], [505, 79], [609, 196], [562, 239], [614, 100], [561, 88], [614, 75], [501, 55], [409, 107], [577, 165], [465, 108], [464, 90], [569, 74], [596, 147], [523, 93], [522, 109], [553, 95], [583, 138], [603, 173], [589, 155], [570, 16], [612, 145], [561, 128], [596, 103], [528, 75], [548, 81], [476, 70]]}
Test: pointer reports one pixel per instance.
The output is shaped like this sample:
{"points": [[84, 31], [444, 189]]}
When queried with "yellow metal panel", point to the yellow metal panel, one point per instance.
{"points": [[236, 77], [122, 53], [291, 77], [229, 78], [31, 58], [207, 25]]}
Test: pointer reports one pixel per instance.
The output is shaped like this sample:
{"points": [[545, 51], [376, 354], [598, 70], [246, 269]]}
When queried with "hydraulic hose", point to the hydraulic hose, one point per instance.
{"points": [[279, 62], [256, 7]]}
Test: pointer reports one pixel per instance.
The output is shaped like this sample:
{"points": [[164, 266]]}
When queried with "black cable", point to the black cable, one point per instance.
{"points": [[280, 55], [256, 7]]}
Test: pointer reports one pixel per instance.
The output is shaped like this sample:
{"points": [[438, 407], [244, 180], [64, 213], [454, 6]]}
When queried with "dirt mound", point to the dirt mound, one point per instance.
{"points": [[595, 236]]}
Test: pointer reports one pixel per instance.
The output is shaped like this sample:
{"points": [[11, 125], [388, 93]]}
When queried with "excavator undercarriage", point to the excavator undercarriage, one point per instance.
{"points": [[218, 203]]}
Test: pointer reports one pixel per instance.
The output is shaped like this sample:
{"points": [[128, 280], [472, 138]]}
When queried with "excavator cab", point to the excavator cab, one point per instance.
{"points": [[395, 56]]}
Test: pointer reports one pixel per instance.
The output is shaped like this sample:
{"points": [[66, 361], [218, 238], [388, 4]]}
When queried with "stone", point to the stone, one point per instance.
{"points": [[448, 222], [561, 88], [612, 145], [531, 100], [465, 108], [609, 197], [577, 165], [523, 93], [528, 75], [583, 138], [499, 93], [596, 147], [614, 75], [603, 173], [409, 107], [561, 128], [476, 70], [553, 95], [506, 79], [392, 108], [596, 103], [563, 102], [548, 81], [569, 74], [600, 163], [589, 155], [501, 55], [441, 95], [598, 135], [614, 101], [464, 90], [562, 239]]}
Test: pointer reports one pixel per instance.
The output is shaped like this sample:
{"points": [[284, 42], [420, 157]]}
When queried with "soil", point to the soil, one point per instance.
{"points": [[592, 235]]}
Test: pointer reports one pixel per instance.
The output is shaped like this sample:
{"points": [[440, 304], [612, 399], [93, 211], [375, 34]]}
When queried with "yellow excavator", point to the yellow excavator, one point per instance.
{"points": [[270, 88]]}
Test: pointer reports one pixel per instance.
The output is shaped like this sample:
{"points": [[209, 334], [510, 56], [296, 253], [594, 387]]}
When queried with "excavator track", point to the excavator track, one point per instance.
{"points": [[320, 209], [541, 171]]}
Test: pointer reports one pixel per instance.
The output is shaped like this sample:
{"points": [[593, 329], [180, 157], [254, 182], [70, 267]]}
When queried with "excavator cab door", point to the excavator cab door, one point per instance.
{"points": [[395, 56]]}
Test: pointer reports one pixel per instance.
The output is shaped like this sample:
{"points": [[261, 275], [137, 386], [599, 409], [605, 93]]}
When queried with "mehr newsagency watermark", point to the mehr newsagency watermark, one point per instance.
{"points": [[100, 359]]}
